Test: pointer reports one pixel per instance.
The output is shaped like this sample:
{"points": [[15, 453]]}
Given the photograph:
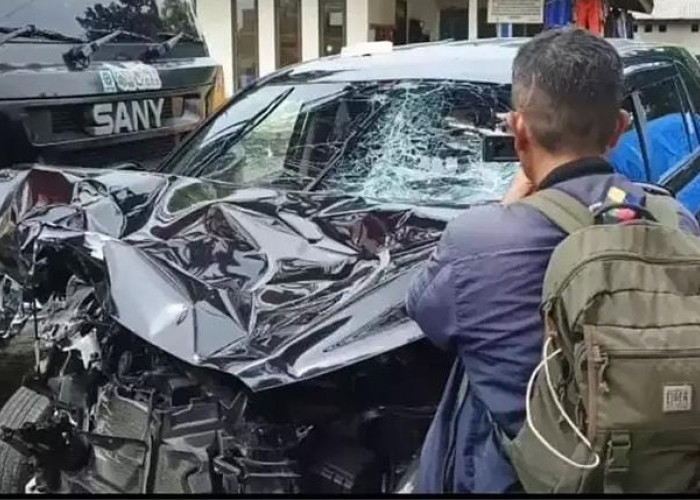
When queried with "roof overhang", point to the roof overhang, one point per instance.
{"points": [[644, 6]]}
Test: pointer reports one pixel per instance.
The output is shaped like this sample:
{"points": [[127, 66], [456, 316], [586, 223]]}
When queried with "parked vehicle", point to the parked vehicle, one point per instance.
{"points": [[100, 82], [234, 323]]}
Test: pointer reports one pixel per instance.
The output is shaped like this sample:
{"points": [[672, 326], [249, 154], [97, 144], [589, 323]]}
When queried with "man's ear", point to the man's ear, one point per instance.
{"points": [[520, 132], [623, 122]]}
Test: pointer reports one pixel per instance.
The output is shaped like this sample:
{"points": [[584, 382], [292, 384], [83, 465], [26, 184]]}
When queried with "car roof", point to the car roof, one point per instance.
{"points": [[486, 60]]}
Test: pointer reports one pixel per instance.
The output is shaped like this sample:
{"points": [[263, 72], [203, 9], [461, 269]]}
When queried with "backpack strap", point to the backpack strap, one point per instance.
{"points": [[562, 209], [664, 208]]}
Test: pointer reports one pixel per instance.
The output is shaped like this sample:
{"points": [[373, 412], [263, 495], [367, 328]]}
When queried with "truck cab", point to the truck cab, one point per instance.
{"points": [[96, 83]]}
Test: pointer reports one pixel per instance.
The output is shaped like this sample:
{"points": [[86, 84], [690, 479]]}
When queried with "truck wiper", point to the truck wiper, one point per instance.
{"points": [[31, 31], [159, 50], [124, 33], [79, 57], [183, 33]]}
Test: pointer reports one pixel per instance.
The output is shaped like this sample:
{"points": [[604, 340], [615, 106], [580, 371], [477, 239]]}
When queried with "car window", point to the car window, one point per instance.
{"points": [[425, 142], [628, 156], [667, 127], [693, 86], [418, 142]]}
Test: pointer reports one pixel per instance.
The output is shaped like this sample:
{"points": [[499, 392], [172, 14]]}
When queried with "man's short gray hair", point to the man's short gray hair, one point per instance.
{"points": [[569, 85]]}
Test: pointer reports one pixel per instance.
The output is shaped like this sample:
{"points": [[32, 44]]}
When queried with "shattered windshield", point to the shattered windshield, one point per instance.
{"points": [[409, 142]]}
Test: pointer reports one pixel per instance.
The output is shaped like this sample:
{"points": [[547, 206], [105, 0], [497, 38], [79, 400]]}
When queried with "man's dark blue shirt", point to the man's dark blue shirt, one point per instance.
{"points": [[479, 296]]}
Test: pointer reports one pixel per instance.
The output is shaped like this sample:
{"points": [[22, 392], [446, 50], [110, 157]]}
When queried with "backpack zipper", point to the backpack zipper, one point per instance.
{"points": [[620, 256], [646, 354], [601, 359]]}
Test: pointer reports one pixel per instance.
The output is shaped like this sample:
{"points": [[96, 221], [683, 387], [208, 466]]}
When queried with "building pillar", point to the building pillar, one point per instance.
{"points": [[215, 19], [267, 36], [357, 22], [310, 29], [473, 19]]}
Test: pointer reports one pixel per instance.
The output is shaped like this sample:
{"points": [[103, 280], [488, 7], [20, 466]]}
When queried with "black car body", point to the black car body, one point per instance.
{"points": [[125, 99], [235, 323]]}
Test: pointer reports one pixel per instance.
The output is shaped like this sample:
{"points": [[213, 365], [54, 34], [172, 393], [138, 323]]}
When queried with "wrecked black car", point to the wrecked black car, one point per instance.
{"points": [[235, 322]]}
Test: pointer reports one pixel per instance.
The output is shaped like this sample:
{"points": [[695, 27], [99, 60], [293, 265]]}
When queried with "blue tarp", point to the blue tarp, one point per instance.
{"points": [[668, 147]]}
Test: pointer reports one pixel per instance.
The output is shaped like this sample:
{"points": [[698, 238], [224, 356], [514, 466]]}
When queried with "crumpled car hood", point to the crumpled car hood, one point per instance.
{"points": [[272, 287]]}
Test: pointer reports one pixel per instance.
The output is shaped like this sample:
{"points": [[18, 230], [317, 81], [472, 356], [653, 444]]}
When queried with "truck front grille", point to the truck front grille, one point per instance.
{"points": [[148, 152]]}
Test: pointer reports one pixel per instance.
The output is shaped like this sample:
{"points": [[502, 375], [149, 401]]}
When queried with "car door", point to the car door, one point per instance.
{"points": [[685, 181], [663, 147]]}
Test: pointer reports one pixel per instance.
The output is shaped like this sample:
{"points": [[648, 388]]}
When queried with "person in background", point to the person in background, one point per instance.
{"points": [[479, 295], [590, 15]]}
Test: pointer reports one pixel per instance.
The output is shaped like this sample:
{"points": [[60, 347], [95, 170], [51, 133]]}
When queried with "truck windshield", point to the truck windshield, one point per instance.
{"points": [[90, 19], [406, 142]]}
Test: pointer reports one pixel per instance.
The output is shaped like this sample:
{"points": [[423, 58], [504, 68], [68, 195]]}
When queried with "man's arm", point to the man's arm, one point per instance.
{"points": [[431, 298]]}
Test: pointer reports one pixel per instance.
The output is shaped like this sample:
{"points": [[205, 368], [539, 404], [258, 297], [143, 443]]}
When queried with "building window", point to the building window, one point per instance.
{"points": [[695, 28], [332, 29], [454, 23], [527, 30], [484, 29], [288, 26], [648, 28], [662, 28], [245, 42], [401, 22]]}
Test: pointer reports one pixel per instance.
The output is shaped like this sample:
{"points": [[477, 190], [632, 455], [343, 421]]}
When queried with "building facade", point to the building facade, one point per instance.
{"points": [[252, 38], [673, 21]]}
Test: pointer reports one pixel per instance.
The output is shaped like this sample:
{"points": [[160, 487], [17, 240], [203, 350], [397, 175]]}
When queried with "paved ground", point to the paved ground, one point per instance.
{"points": [[16, 359]]}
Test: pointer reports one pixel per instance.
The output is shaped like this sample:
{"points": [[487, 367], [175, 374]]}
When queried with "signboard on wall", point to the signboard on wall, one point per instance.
{"points": [[516, 11]]}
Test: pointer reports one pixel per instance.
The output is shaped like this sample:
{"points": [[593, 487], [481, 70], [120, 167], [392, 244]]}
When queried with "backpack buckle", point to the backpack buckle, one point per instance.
{"points": [[619, 447]]}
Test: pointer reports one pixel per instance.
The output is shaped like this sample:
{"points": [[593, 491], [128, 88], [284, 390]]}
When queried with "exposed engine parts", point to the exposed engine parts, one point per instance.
{"points": [[136, 420], [196, 337]]}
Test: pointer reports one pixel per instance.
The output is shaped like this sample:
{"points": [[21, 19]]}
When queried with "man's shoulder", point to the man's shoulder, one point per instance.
{"points": [[494, 228]]}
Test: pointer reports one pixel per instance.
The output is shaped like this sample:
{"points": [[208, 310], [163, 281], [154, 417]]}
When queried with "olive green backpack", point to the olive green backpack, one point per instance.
{"points": [[613, 407]]}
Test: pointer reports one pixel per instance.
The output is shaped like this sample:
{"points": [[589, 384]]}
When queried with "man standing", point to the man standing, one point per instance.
{"points": [[479, 295]]}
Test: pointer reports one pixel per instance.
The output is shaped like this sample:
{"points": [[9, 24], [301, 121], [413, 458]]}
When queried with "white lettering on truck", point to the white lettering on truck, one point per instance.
{"points": [[116, 118]]}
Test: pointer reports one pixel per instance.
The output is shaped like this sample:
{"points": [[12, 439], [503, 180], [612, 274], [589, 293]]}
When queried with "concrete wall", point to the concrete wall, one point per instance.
{"points": [[677, 32], [357, 25], [309, 29], [267, 37], [215, 20]]}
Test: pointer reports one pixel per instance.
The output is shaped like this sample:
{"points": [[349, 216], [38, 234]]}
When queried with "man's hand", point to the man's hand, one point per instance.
{"points": [[519, 189]]}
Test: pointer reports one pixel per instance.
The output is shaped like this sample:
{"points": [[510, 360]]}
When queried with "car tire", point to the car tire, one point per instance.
{"points": [[25, 405]]}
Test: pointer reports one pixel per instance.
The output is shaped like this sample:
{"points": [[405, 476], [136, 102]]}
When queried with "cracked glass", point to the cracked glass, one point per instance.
{"points": [[417, 142]]}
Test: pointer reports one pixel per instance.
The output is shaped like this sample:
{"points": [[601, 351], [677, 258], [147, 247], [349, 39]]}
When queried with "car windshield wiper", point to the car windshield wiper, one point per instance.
{"points": [[185, 35], [80, 56], [31, 31], [237, 136], [159, 50]]}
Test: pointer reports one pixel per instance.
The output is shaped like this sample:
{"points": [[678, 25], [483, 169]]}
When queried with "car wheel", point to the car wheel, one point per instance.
{"points": [[25, 405]]}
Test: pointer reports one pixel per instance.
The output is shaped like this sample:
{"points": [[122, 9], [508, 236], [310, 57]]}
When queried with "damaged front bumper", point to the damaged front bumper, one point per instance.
{"points": [[195, 338]]}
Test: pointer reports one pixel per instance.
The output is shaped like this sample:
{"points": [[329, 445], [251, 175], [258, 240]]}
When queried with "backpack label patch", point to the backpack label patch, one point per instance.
{"points": [[678, 398]]}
